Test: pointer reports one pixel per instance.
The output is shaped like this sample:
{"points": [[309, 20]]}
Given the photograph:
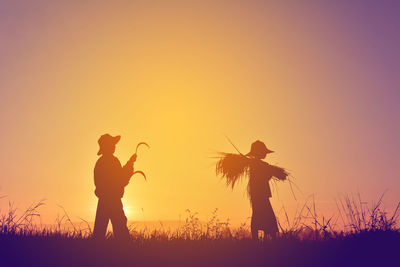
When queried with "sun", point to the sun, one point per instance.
{"points": [[129, 211]]}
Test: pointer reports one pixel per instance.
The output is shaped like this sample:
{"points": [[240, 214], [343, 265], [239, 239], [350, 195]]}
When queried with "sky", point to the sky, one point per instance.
{"points": [[317, 81]]}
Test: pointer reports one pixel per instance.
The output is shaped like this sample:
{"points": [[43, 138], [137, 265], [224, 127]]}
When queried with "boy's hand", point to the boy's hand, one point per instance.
{"points": [[133, 158]]}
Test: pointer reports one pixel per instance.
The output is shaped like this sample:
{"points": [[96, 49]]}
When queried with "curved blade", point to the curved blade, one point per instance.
{"points": [[140, 172], [141, 143]]}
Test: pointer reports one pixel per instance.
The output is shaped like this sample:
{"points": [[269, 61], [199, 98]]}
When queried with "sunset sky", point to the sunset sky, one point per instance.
{"points": [[317, 81]]}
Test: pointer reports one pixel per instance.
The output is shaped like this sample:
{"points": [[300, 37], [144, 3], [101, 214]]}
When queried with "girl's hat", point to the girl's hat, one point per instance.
{"points": [[107, 140], [257, 148]]}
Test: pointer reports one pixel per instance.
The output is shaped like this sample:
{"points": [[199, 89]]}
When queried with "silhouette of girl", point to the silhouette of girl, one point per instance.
{"points": [[233, 167]]}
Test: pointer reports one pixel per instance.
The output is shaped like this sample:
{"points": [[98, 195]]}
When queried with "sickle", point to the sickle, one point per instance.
{"points": [[140, 172], [141, 143]]}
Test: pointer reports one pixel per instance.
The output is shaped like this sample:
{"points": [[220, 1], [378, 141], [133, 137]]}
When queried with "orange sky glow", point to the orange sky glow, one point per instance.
{"points": [[180, 76]]}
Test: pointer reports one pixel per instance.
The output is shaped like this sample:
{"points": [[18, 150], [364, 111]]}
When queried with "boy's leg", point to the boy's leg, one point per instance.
{"points": [[119, 220], [101, 221]]}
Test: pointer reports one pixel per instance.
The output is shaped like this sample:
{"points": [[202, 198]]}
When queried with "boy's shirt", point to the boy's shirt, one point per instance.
{"points": [[110, 177]]}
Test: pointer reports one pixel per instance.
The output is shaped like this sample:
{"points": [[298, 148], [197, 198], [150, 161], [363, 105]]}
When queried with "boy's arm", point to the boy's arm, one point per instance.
{"points": [[127, 170]]}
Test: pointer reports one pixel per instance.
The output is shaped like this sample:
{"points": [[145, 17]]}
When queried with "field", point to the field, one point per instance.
{"points": [[369, 237]]}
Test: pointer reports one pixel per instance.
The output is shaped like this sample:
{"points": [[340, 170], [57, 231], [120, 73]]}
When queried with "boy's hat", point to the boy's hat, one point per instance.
{"points": [[106, 140], [258, 147]]}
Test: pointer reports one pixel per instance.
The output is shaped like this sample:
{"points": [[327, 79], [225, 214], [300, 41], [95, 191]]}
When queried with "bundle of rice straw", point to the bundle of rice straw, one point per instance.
{"points": [[234, 167]]}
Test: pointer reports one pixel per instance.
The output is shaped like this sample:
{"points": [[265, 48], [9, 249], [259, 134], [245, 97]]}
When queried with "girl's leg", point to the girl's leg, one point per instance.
{"points": [[271, 228], [254, 229]]}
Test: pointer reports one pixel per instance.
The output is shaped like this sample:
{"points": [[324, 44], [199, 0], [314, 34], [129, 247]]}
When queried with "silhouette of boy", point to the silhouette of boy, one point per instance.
{"points": [[110, 178], [263, 217]]}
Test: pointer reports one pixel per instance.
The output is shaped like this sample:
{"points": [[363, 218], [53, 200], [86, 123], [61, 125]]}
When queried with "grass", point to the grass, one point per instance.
{"points": [[367, 236]]}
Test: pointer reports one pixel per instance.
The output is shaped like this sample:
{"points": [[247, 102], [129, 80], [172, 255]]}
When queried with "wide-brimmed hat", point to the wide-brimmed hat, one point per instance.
{"points": [[257, 148], [107, 140]]}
